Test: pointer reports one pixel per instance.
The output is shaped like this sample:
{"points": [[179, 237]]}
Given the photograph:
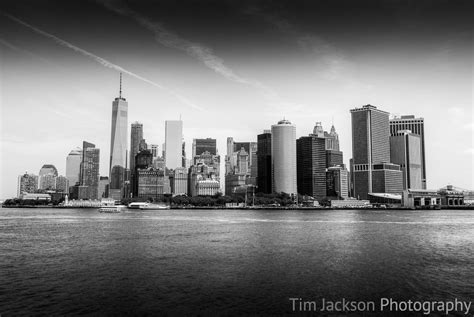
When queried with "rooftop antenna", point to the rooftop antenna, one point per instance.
{"points": [[120, 92]]}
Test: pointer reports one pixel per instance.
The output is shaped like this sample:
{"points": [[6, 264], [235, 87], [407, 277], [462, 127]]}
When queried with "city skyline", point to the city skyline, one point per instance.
{"points": [[318, 73]]}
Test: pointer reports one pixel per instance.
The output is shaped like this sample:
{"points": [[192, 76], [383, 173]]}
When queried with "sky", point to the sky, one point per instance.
{"points": [[231, 68]]}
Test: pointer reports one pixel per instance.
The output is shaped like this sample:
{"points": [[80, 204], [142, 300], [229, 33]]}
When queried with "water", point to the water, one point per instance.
{"points": [[232, 262]]}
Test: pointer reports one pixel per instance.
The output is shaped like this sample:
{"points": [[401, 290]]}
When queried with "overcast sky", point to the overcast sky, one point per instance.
{"points": [[231, 68]]}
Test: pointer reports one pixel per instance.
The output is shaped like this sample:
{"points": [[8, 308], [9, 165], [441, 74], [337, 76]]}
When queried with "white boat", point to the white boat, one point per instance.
{"points": [[112, 209], [136, 205], [149, 206]]}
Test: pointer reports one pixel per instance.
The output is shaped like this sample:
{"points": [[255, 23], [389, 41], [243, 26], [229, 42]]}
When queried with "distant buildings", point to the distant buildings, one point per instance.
{"points": [[405, 150], [73, 166], [205, 166], [27, 183], [47, 177], [311, 164], [283, 145], [179, 181], [62, 184], [103, 187], [89, 178], [173, 140], [264, 162], [371, 170], [150, 183], [204, 145], [118, 145], [416, 126], [136, 136], [240, 165], [337, 183], [203, 176]]}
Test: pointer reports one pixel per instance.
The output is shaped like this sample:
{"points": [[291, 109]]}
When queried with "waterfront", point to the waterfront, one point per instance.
{"points": [[78, 261]]}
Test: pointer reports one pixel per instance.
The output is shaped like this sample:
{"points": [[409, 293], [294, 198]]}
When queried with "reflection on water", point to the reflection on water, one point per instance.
{"points": [[236, 262]]}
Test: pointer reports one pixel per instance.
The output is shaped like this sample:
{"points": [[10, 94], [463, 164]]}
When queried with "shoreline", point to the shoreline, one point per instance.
{"points": [[254, 208]]}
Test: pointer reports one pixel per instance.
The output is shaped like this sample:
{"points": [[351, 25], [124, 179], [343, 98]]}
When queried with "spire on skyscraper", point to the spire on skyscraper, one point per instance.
{"points": [[120, 91]]}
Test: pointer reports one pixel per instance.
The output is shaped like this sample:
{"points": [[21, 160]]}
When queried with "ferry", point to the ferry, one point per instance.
{"points": [[111, 209], [136, 205], [154, 207]]}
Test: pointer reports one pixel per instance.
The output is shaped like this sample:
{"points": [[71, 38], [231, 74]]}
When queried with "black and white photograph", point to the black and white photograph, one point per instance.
{"points": [[236, 158]]}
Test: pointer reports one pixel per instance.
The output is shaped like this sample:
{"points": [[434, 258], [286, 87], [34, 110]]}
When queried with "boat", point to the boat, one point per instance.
{"points": [[149, 206], [111, 209], [136, 205]]}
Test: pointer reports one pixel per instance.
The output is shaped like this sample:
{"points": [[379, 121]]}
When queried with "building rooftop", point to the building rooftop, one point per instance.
{"points": [[366, 108], [284, 121]]}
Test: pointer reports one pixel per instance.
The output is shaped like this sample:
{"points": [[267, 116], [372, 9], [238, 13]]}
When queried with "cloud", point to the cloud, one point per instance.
{"points": [[200, 52], [104, 62]]}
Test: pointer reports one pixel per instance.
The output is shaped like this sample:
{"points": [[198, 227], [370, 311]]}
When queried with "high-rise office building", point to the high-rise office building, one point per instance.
{"points": [[118, 145], [416, 126], [62, 184], [48, 169], [337, 185], [371, 170], [284, 157], [240, 165], [27, 183], [264, 162], [150, 183], [332, 139], [47, 177], [405, 150], [73, 166], [89, 180], [103, 187], [204, 145], [173, 141], [136, 136], [143, 161], [179, 181], [154, 150], [311, 165], [334, 156]]}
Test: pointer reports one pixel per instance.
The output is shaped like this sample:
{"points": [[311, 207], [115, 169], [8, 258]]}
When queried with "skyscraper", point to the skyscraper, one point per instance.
{"points": [[62, 184], [118, 145], [416, 126], [284, 157], [240, 165], [27, 183], [136, 136], [202, 145], [89, 182], [311, 165], [73, 166], [173, 143], [371, 170], [334, 156], [405, 150], [47, 177], [264, 162]]}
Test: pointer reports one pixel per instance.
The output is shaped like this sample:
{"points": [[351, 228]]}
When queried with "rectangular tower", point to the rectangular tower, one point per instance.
{"points": [[118, 145], [89, 182], [405, 150], [204, 145], [370, 146], [173, 143], [311, 166], [264, 162], [416, 126]]}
